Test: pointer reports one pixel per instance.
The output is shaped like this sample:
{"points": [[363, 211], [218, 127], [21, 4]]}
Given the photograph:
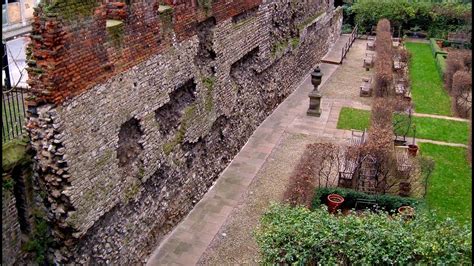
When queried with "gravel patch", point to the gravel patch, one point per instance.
{"points": [[346, 80], [235, 243]]}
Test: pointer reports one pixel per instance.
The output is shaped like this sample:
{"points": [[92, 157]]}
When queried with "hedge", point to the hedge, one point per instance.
{"points": [[435, 49], [441, 65], [299, 236], [385, 202]]}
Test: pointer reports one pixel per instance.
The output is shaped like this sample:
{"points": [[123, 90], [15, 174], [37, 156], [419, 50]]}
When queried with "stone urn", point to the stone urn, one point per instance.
{"points": [[316, 77], [315, 96]]}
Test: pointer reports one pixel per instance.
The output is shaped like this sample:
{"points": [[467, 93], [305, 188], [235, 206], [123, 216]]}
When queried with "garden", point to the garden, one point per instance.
{"points": [[399, 191]]}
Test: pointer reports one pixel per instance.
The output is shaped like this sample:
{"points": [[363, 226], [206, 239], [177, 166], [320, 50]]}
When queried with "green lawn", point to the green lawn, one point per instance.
{"points": [[427, 87], [450, 186], [426, 127]]}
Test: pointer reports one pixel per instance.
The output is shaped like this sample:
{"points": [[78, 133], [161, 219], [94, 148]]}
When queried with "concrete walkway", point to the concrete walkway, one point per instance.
{"points": [[441, 143], [186, 243], [334, 56]]}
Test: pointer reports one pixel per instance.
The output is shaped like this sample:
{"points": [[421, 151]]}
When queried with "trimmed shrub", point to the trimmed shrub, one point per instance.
{"points": [[301, 186], [469, 145], [386, 202], [441, 65], [299, 236], [302, 182], [381, 115], [457, 60], [461, 93], [435, 49], [384, 60]]}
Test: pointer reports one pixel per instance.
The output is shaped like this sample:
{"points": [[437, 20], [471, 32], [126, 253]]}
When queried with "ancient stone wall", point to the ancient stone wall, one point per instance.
{"points": [[129, 138], [11, 234]]}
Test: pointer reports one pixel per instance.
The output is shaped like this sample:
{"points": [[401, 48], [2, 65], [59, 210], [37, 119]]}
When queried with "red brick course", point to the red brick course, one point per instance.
{"points": [[71, 56]]}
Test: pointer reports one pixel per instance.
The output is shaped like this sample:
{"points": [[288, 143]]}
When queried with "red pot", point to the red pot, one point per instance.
{"points": [[334, 201], [407, 212], [412, 149]]}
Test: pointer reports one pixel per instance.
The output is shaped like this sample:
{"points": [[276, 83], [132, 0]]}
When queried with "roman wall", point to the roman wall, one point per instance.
{"points": [[137, 107]]}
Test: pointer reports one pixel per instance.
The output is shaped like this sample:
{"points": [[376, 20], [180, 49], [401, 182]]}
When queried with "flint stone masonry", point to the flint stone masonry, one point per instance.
{"points": [[103, 211]]}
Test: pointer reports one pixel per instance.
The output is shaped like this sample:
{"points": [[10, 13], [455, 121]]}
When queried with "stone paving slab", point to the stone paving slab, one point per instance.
{"points": [[335, 54]]}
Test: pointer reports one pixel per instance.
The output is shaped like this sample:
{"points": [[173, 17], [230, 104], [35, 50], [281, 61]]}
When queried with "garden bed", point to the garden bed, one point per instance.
{"points": [[299, 236], [352, 198]]}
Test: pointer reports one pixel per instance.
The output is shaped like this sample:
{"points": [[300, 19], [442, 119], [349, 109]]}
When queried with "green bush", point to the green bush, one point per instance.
{"points": [[435, 49], [441, 65], [300, 236], [346, 28], [437, 19], [40, 241], [386, 202]]}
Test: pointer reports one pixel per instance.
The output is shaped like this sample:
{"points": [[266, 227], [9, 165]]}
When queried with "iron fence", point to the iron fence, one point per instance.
{"points": [[13, 104], [13, 114]]}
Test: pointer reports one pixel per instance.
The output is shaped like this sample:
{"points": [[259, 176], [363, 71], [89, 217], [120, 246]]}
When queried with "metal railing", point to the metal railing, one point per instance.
{"points": [[13, 102], [349, 42], [13, 114]]}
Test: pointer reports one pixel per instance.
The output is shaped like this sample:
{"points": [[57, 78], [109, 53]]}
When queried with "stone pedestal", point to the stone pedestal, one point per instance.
{"points": [[314, 104], [315, 95]]}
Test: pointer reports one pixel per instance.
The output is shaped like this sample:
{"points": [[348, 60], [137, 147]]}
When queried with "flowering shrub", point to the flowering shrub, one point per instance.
{"points": [[300, 236]]}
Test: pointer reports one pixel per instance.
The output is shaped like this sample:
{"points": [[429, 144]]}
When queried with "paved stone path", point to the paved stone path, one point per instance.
{"points": [[441, 117], [335, 54], [440, 143]]}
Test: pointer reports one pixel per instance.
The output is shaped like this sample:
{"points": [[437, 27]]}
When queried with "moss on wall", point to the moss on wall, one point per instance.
{"points": [[70, 10], [206, 5], [188, 116], [13, 154], [115, 32], [208, 82]]}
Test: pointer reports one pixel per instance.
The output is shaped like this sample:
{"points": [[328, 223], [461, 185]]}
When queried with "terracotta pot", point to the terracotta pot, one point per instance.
{"points": [[406, 211], [334, 201], [412, 149]]}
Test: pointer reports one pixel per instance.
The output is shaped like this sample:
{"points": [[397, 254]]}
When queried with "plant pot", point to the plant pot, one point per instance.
{"points": [[399, 142], [334, 201], [412, 149], [406, 212]]}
